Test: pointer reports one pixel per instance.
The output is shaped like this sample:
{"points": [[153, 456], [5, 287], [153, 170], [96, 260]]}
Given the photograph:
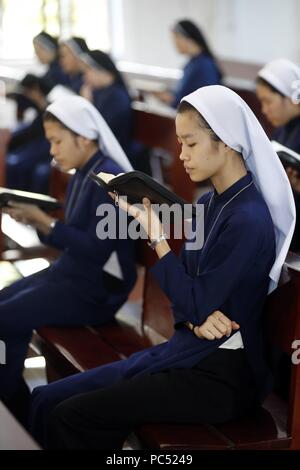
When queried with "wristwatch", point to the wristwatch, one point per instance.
{"points": [[153, 243]]}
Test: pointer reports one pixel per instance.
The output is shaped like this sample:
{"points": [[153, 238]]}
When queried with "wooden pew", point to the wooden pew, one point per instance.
{"points": [[275, 426]]}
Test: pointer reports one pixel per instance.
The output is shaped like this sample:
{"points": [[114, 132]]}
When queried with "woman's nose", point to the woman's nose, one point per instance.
{"points": [[183, 155]]}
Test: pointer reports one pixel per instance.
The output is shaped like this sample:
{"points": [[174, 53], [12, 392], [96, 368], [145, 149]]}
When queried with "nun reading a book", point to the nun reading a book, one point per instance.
{"points": [[92, 277], [278, 90], [212, 370]]}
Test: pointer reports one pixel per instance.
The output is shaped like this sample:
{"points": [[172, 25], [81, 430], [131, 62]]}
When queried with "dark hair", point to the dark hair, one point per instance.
{"points": [[262, 81], [47, 116], [185, 107], [105, 62], [82, 47], [31, 81], [81, 43], [190, 30], [48, 37]]}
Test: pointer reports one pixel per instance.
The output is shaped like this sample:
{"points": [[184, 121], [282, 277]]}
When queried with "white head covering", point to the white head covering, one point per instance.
{"points": [[79, 115], [283, 75], [235, 124]]}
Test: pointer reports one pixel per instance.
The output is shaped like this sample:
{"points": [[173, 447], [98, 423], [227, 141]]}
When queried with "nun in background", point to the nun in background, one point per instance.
{"points": [[80, 287], [46, 49], [201, 69], [213, 368], [28, 157], [105, 88], [70, 51], [278, 90]]}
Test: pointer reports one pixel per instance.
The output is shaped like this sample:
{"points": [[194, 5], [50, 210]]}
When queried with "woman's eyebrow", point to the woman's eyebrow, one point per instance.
{"points": [[185, 136]]}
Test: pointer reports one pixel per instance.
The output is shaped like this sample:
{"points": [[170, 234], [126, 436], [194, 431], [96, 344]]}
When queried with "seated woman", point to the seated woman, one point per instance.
{"points": [[28, 149], [70, 51], [208, 372], [277, 88], [201, 69], [77, 289], [105, 88], [46, 49]]}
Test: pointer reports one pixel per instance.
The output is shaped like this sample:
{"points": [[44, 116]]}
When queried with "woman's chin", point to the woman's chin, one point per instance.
{"points": [[196, 178]]}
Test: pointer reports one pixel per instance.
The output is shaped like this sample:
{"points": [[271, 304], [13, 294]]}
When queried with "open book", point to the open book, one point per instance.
{"points": [[287, 156], [46, 203], [136, 185]]}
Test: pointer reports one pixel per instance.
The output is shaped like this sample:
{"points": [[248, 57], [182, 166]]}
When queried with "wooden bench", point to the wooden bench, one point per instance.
{"points": [[275, 426]]}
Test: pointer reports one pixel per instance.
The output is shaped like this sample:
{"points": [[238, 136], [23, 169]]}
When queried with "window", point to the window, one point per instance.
{"points": [[89, 19], [21, 20]]}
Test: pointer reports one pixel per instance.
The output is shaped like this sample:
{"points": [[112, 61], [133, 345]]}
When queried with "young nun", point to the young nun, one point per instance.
{"points": [[70, 51], [212, 370], [277, 88], [28, 149], [46, 49], [201, 68], [77, 288], [105, 88]]}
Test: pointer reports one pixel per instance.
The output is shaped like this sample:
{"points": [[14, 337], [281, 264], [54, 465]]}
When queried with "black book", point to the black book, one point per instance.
{"points": [[287, 156], [44, 202], [136, 185]]}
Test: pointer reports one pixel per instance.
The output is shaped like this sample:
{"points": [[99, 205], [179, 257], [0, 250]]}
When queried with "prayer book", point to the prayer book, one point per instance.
{"points": [[136, 185], [44, 202], [287, 156]]}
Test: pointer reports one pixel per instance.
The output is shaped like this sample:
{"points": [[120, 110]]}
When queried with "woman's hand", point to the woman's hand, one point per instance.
{"points": [[146, 216], [148, 219], [29, 214], [215, 326]]}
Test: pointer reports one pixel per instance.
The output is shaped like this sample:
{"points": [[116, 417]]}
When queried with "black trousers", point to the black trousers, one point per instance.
{"points": [[220, 388]]}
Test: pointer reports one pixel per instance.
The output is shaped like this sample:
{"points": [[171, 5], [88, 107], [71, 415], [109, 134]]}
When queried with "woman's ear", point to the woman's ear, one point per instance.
{"points": [[83, 141]]}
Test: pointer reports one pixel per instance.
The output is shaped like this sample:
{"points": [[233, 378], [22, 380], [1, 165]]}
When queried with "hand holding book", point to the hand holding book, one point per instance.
{"points": [[30, 214], [136, 185], [145, 215]]}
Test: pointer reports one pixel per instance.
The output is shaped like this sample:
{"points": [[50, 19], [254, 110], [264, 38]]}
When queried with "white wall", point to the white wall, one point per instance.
{"points": [[244, 30]]}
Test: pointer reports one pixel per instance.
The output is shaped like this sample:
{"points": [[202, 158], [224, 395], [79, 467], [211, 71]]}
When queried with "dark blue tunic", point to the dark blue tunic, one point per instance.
{"points": [[289, 135], [28, 151], [230, 273], [114, 104], [55, 74], [198, 72], [75, 290]]}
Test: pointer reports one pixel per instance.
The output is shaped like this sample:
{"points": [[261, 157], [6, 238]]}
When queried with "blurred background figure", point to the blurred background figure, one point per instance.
{"points": [[201, 68], [28, 158], [46, 49], [104, 86], [70, 51], [276, 89]]}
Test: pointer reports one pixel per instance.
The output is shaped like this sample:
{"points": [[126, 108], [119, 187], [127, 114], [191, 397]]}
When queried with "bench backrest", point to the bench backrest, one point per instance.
{"points": [[283, 329]]}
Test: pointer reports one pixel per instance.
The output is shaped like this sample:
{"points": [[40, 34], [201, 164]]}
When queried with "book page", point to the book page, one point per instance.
{"points": [[107, 177]]}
